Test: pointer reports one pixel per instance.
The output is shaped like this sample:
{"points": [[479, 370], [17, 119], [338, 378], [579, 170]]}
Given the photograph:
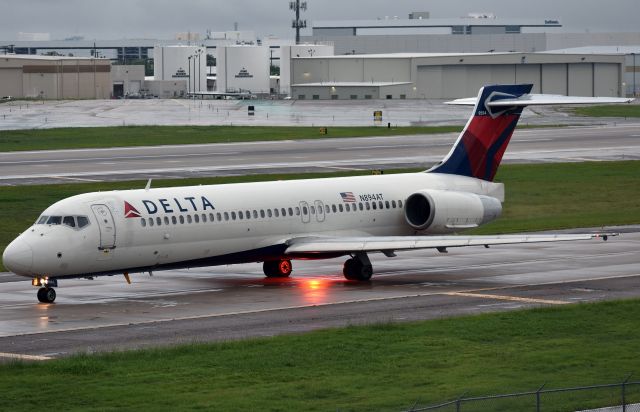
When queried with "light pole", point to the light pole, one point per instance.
{"points": [[634, 74], [199, 68], [189, 75]]}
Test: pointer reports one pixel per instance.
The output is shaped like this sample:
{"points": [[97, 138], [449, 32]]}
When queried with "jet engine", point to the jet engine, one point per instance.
{"points": [[445, 211]]}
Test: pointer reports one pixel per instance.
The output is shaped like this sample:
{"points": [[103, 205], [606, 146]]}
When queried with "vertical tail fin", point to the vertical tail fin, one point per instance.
{"points": [[479, 148]]}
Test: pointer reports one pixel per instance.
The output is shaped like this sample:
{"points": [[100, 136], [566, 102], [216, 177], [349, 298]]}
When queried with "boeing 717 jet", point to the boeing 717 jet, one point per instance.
{"points": [[152, 229]]}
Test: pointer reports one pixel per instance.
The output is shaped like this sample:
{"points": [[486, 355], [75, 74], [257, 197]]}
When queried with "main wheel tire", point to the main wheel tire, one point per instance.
{"points": [[348, 270], [277, 268], [355, 270], [46, 295]]}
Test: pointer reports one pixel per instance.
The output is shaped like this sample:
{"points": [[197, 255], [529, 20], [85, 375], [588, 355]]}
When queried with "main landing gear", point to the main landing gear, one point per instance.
{"points": [[358, 267], [46, 293], [277, 268]]}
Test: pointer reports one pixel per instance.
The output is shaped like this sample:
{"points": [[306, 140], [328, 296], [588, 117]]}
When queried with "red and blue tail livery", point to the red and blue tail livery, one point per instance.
{"points": [[479, 149]]}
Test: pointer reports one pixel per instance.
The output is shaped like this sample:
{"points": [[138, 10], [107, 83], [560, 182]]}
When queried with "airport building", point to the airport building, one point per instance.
{"points": [[54, 77], [453, 75]]}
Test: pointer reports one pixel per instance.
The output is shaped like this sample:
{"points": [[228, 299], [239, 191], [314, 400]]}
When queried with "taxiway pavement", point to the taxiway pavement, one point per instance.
{"points": [[608, 142], [224, 303]]}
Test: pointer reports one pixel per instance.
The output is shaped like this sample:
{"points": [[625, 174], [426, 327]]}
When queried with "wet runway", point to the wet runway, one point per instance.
{"points": [[222, 303], [609, 142]]}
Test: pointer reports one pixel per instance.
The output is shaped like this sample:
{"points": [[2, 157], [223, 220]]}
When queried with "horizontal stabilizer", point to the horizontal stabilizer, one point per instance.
{"points": [[541, 100], [311, 245]]}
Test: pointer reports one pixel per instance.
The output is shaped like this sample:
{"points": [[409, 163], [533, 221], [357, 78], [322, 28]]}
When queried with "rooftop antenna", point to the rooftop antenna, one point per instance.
{"points": [[298, 24]]}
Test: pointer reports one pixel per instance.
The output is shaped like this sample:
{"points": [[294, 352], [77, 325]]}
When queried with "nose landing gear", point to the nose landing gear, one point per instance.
{"points": [[46, 293]]}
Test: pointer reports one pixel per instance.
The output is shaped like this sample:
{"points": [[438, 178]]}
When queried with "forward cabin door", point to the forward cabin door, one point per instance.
{"points": [[106, 225]]}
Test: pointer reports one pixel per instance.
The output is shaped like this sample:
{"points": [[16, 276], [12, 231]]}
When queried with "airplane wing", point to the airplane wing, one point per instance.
{"points": [[541, 100], [386, 244]]}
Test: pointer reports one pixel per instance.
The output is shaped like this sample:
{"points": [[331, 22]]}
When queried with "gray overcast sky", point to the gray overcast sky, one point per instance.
{"points": [[116, 19]]}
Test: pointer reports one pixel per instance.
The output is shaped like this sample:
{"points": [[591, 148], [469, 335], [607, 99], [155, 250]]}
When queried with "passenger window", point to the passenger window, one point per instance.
{"points": [[305, 211], [373, 204], [269, 213], [393, 204], [233, 215], [333, 207], [189, 219], [226, 216], [211, 219], [166, 220], [262, 213], [54, 220], [174, 220], [347, 207], [143, 222], [326, 209], [240, 215], [248, 214], [181, 220], [255, 214], [367, 205], [361, 206], [290, 212], [380, 205], [204, 218], [400, 203], [340, 208], [276, 213], [69, 221], [82, 221], [387, 205], [219, 216], [159, 221], [297, 211], [196, 218], [150, 221], [283, 211], [313, 210], [42, 220]]}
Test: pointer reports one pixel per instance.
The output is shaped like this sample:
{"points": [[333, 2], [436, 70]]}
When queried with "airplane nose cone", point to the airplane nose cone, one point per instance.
{"points": [[18, 257]]}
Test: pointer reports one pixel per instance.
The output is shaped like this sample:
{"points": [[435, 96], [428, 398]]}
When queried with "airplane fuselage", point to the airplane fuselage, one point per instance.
{"points": [[141, 230]]}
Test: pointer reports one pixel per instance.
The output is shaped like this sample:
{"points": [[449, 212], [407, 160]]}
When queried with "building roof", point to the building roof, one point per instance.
{"points": [[48, 58], [404, 23], [350, 84]]}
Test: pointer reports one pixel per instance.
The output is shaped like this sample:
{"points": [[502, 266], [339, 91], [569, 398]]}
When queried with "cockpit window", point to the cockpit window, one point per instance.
{"points": [[75, 222], [82, 221], [69, 221], [54, 220]]}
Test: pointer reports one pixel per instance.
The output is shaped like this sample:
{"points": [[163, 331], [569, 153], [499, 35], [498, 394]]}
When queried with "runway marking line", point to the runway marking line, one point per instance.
{"points": [[509, 298], [24, 357]]}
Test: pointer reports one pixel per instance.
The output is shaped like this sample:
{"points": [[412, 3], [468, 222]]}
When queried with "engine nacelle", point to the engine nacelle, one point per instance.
{"points": [[445, 211]]}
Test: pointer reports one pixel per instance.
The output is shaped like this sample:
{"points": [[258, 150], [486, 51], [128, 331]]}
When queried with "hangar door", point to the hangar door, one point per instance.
{"points": [[580, 79], [606, 79]]}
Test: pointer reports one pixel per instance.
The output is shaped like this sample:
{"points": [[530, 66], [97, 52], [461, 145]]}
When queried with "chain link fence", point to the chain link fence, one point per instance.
{"points": [[617, 397]]}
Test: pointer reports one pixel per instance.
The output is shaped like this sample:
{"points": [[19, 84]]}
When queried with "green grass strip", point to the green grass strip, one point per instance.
{"points": [[125, 136], [626, 110], [538, 196], [378, 367]]}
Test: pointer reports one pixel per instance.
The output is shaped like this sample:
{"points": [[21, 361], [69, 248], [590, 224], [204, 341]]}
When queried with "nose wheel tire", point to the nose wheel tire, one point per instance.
{"points": [[277, 268], [46, 295]]}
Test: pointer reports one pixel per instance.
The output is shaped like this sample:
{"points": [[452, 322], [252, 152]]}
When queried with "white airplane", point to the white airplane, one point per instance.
{"points": [[122, 232]]}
